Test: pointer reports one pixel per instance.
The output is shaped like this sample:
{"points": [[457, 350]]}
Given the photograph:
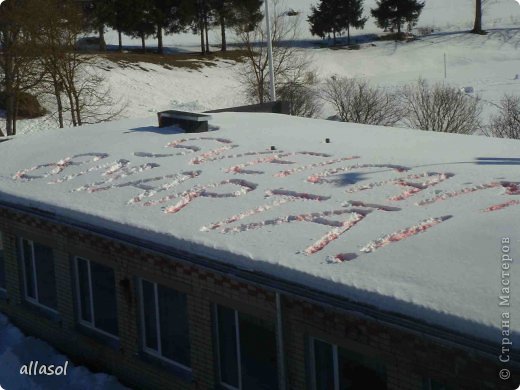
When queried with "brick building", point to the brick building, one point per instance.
{"points": [[90, 263]]}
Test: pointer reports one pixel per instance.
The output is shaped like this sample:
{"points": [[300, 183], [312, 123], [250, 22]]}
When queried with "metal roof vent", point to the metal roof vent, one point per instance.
{"points": [[188, 121]]}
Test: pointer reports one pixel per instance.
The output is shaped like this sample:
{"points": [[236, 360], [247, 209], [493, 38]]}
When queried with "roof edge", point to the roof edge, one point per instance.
{"points": [[274, 284]]}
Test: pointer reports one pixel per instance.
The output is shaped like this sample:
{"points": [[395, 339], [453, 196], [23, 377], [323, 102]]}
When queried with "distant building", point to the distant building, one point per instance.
{"points": [[260, 256]]}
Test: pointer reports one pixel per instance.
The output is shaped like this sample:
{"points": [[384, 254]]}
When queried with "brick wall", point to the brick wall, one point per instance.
{"points": [[408, 356]]}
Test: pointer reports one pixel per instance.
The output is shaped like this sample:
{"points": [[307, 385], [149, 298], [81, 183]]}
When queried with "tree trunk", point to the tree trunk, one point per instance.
{"points": [[477, 28], [143, 44], [72, 109], [399, 28], [334, 36], [78, 108], [348, 34], [206, 32], [8, 87], [59, 103], [202, 43], [223, 32], [15, 113], [160, 40], [10, 116], [102, 44], [120, 40]]}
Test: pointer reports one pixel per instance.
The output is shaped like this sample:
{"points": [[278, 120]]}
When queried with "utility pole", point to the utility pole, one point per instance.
{"points": [[272, 89]]}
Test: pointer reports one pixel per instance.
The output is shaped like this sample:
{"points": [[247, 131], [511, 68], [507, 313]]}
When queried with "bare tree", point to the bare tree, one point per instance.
{"points": [[440, 108], [294, 79], [356, 101], [18, 58], [71, 75], [506, 124], [301, 92]]}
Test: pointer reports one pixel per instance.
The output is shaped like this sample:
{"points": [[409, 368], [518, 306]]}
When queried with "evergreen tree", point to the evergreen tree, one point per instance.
{"points": [[230, 13], [166, 15], [247, 14], [196, 17], [139, 23], [352, 13], [323, 20], [395, 13], [335, 16], [112, 13], [98, 13]]}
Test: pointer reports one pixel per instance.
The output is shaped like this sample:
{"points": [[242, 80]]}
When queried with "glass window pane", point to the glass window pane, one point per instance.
{"points": [[84, 290], [323, 365], [45, 280], [227, 341], [432, 384], [359, 372], [150, 324], [2, 264], [104, 296], [28, 269], [173, 323], [257, 354]]}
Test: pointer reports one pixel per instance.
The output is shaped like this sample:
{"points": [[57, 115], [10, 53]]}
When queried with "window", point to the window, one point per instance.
{"points": [[431, 384], [2, 264], [39, 278], [336, 368], [96, 292], [164, 321], [246, 351]]}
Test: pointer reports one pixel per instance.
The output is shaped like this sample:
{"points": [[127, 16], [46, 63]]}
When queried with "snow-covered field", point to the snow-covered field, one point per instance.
{"points": [[488, 63], [17, 350]]}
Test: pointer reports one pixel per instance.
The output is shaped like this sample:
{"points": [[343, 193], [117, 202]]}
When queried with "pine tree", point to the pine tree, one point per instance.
{"points": [[395, 13], [139, 21], [234, 13], [323, 19], [247, 14], [334, 16], [352, 13], [167, 15], [98, 14], [223, 16]]}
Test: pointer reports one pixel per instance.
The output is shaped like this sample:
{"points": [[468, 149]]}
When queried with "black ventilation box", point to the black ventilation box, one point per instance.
{"points": [[188, 121]]}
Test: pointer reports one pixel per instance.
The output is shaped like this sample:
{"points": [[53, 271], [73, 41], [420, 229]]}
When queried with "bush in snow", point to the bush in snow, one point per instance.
{"points": [[440, 108], [295, 81], [357, 101], [506, 124], [301, 93]]}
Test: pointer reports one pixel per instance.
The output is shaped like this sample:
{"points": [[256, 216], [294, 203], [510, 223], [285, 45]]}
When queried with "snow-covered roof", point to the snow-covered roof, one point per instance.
{"points": [[408, 221]]}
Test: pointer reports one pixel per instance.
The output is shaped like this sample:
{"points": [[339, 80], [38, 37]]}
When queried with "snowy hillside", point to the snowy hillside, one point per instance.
{"points": [[490, 64]]}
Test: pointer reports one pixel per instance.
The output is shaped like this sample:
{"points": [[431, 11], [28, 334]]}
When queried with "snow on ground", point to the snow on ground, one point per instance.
{"points": [[446, 15], [17, 350], [490, 64], [405, 220]]}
